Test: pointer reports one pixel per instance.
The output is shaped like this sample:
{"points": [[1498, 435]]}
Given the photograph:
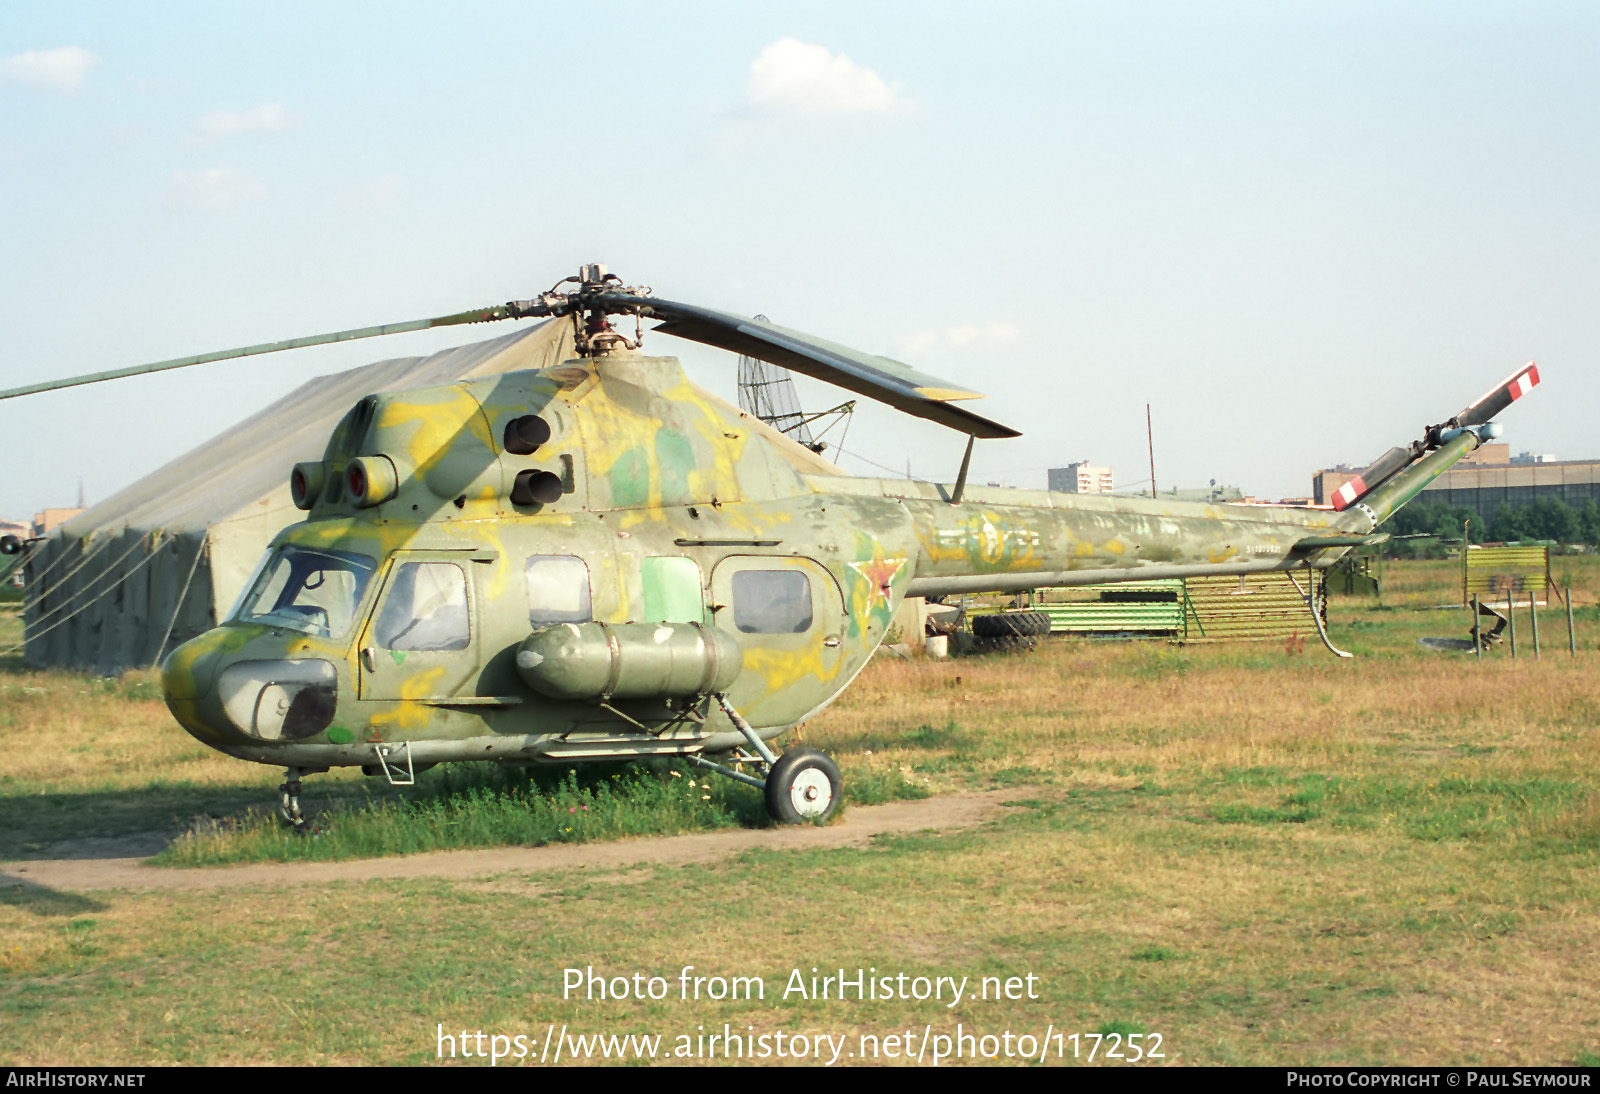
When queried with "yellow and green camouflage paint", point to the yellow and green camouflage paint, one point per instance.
{"points": [[670, 503]]}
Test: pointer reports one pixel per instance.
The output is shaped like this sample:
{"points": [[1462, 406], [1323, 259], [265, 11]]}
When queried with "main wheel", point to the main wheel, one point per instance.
{"points": [[803, 785]]}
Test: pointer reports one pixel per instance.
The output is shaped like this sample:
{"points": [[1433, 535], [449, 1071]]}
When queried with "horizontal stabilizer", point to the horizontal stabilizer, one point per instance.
{"points": [[1317, 543]]}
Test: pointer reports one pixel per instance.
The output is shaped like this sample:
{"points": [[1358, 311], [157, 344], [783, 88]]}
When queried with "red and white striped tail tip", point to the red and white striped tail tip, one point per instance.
{"points": [[1502, 395], [1523, 382], [1346, 495]]}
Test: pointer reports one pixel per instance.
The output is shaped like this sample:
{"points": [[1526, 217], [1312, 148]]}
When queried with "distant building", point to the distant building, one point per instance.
{"points": [[47, 520], [1484, 488], [1325, 482], [1080, 478]]}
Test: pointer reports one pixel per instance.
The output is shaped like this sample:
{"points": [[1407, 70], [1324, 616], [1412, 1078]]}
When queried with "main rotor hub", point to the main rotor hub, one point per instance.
{"points": [[599, 293]]}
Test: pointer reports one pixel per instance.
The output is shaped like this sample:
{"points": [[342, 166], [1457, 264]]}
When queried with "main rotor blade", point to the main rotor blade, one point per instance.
{"points": [[481, 315], [899, 385]]}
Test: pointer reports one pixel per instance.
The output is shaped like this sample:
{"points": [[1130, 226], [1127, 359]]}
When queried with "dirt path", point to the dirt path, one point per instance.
{"points": [[860, 825]]}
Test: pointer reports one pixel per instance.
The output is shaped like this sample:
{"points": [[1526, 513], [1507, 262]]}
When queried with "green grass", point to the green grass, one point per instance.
{"points": [[1430, 807], [1262, 855], [465, 805], [1321, 946], [460, 806]]}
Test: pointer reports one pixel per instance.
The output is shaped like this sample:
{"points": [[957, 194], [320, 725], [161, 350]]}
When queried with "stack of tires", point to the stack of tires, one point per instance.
{"points": [[1010, 628]]}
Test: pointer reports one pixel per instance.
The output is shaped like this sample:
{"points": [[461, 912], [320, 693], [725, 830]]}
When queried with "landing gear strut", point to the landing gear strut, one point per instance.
{"points": [[801, 785], [289, 801]]}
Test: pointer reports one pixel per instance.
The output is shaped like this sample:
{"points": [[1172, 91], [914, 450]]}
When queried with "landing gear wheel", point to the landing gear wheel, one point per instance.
{"points": [[804, 785], [289, 805]]}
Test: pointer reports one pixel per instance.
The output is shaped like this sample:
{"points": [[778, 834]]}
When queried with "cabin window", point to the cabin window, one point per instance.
{"points": [[670, 585], [426, 608], [558, 590], [771, 601], [308, 590]]}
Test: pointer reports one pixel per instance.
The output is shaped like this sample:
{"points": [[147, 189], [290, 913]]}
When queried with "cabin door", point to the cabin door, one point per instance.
{"points": [[787, 615], [421, 640]]}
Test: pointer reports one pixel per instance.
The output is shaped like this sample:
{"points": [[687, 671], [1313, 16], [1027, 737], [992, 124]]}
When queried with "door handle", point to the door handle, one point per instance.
{"points": [[369, 658]]}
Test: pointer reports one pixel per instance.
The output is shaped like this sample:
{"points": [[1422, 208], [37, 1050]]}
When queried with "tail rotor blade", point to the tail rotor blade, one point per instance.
{"points": [[1516, 386], [1396, 459]]}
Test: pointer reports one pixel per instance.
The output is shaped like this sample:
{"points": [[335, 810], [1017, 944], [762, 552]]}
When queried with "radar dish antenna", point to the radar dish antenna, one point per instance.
{"points": [[768, 392]]}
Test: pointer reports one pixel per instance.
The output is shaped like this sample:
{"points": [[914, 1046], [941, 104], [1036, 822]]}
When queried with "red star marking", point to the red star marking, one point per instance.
{"points": [[879, 574]]}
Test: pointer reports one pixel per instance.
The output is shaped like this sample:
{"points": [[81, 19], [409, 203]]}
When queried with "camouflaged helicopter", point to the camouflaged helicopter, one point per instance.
{"points": [[601, 561]]}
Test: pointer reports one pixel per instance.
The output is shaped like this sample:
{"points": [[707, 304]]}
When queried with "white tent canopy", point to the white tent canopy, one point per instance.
{"points": [[160, 562]]}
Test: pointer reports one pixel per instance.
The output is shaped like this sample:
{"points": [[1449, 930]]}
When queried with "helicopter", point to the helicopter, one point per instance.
{"points": [[601, 561]]}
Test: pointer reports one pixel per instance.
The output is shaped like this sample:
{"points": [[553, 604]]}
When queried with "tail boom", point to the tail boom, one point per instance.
{"points": [[1380, 503]]}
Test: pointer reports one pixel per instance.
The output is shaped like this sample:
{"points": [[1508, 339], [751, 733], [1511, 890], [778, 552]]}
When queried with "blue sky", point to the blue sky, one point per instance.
{"points": [[1299, 231]]}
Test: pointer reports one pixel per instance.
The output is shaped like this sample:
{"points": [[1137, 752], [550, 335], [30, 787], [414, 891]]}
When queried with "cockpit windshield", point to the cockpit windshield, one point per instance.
{"points": [[307, 589]]}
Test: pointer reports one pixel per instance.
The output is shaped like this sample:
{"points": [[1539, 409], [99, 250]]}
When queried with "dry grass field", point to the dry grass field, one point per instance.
{"points": [[1258, 852]]}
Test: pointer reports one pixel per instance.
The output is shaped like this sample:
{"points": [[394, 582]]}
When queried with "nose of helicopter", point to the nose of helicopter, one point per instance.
{"points": [[187, 676], [234, 686], [191, 669]]}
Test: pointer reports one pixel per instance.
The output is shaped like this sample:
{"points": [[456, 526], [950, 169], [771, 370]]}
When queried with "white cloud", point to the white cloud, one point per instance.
{"points": [[797, 78], [926, 343], [269, 118], [61, 70], [215, 189]]}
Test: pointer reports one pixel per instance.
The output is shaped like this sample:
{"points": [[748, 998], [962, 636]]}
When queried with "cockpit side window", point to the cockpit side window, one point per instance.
{"points": [[772, 601], [315, 591], [425, 608], [558, 590]]}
